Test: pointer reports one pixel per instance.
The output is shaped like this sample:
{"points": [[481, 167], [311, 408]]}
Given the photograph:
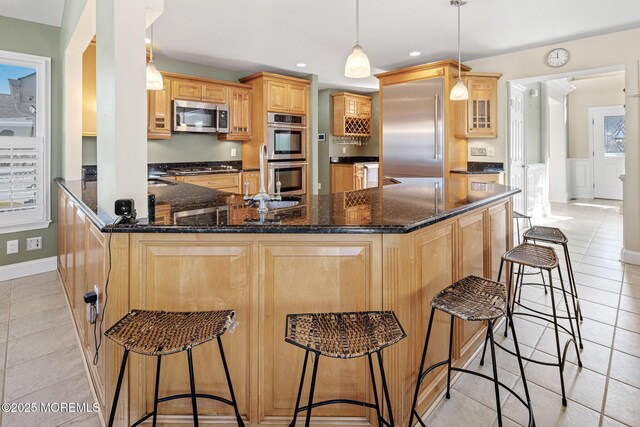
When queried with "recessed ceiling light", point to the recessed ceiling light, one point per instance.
{"points": [[301, 64], [147, 40], [415, 53]]}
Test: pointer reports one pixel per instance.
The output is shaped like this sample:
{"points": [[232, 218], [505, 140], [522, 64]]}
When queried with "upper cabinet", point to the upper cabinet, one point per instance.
{"points": [[478, 116], [89, 104], [240, 111], [286, 97], [196, 90], [351, 114], [159, 111]]}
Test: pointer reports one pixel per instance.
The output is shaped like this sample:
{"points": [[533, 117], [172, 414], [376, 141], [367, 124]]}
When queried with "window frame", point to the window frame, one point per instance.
{"points": [[42, 65]]}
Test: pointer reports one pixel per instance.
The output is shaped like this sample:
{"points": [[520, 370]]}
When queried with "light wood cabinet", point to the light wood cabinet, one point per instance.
{"points": [[284, 97], [253, 178], [478, 116], [240, 111], [342, 178], [159, 112], [89, 104], [196, 90], [229, 182], [214, 93], [351, 114]]}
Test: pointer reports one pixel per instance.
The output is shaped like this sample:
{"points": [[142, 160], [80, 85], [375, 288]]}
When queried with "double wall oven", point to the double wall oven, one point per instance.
{"points": [[287, 152]]}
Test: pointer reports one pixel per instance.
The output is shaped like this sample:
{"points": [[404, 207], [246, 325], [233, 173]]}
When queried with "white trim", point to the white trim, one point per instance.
{"points": [[28, 268], [580, 171], [630, 257]]}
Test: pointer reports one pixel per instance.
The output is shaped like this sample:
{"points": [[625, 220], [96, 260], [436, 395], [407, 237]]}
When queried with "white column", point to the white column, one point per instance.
{"points": [[122, 105]]}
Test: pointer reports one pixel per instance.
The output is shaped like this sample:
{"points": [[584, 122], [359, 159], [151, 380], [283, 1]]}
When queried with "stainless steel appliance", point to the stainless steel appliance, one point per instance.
{"points": [[369, 178], [218, 215], [286, 137], [201, 117], [412, 129], [292, 177]]}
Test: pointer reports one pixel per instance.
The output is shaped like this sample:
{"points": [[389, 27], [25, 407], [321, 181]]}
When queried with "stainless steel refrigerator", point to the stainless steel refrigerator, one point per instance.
{"points": [[413, 129]]}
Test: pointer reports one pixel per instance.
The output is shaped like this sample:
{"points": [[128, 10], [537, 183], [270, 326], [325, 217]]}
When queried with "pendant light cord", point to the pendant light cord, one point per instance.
{"points": [[357, 21], [459, 56], [151, 45]]}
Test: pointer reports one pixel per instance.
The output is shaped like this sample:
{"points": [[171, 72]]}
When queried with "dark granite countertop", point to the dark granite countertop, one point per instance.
{"points": [[355, 159], [411, 204], [468, 172]]}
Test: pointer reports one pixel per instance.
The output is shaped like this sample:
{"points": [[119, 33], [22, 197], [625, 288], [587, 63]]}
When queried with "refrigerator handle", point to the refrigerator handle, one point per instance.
{"points": [[436, 99]]}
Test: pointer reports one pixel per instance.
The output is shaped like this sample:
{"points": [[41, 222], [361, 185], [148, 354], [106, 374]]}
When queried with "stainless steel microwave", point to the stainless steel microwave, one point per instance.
{"points": [[200, 117], [292, 177]]}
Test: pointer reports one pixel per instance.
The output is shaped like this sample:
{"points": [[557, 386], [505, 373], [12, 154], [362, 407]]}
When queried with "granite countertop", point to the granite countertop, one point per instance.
{"points": [[394, 208], [468, 172], [474, 168], [355, 159]]}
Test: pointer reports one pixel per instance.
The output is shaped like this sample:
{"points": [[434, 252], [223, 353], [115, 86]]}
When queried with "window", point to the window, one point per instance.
{"points": [[25, 142], [614, 136]]}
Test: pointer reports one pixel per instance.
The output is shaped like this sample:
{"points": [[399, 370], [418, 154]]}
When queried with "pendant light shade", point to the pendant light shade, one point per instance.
{"points": [[357, 66], [154, 78], [459, 92]]}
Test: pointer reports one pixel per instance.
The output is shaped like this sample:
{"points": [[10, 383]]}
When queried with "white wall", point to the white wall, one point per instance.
{"points": [[590, 53]]}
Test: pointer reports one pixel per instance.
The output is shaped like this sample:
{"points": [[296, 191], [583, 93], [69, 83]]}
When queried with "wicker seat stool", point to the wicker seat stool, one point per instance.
{"points": [[517, 217], [473, 299], [555, 236], [161, 333], [344, 336], [540, 257]]}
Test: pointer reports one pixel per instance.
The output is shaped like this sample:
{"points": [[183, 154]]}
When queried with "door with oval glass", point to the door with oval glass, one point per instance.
{"points": [[608, 150]]}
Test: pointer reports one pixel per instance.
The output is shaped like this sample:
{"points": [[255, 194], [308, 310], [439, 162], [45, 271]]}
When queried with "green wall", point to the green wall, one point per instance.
{"points": [[42, 40]]}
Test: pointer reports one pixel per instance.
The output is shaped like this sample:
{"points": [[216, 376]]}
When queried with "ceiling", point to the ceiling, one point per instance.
{"points": [[43, 11], [275, 35]]}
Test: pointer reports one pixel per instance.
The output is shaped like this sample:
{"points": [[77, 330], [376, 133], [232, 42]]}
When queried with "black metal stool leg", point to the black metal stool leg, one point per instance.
{"points": [[555, 326], [572, 285], [118, 386], [385, 390], [511, 295], [573, 333], [312, 389], [495, 373], [448, 395], [424, 357], [484, 347], [304, 371], [521, 366], [155, 395], [226, 372], [519, 278], [375, 391], [192, 382]]}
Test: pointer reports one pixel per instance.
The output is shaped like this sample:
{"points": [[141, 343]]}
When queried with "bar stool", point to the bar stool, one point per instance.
{"points": [[160, 333], [472, 299], [555, 236], [344, 336], [540, 257], [517, 217]]}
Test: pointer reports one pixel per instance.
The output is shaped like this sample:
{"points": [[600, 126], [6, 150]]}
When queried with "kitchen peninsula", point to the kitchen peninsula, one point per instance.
{"points": [[386, 248]]}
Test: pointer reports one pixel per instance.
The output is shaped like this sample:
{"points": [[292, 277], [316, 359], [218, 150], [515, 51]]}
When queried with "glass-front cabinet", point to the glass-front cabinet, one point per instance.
{"points": [[478, 116]]}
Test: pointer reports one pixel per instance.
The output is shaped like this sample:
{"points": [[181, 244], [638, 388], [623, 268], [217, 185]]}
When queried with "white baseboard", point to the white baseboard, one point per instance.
{"points": [[28, 268], [630, 257]]}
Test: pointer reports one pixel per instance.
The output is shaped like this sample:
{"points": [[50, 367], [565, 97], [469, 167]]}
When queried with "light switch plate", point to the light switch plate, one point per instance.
{"points": [[491, 151], [233, 152], [12, 247], [478, 151]]}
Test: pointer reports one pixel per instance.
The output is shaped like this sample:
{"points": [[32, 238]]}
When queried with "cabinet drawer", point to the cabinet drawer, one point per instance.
{"points": [[226, 182]]}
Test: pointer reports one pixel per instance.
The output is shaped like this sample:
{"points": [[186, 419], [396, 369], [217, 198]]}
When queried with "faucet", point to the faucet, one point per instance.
{"points": [[262, 197]]}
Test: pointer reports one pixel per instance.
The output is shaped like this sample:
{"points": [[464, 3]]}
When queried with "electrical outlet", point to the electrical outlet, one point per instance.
{"points": [[319, 186], [233, 152], [344, 150], [478, 151], [12, 247], [34, 243], [491, 151]]}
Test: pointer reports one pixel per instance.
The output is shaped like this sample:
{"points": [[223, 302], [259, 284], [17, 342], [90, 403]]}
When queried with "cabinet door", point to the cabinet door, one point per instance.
{"points": [[241, 112], [159, 112], [482, 107], [298, 99], [253, 178], [214, 93], [350, 106], [277, 96], [364, 108], [341, 178], [89, 104], [186, 89]]}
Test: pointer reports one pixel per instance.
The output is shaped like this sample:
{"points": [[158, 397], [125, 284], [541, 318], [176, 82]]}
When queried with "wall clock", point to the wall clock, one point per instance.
{"points": [[557, 57]]}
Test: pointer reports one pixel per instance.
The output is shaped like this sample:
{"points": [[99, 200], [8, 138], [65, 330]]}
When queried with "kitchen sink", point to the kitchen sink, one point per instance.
{"points": [[280, 204], [155, 182]]}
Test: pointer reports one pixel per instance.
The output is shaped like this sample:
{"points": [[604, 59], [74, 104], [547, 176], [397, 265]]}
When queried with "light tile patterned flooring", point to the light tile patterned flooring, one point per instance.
{"points": [[40, 360], [606, 391]]}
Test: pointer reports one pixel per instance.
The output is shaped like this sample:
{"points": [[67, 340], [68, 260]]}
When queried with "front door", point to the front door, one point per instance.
{"points": [[608, 136], [517, 148]]}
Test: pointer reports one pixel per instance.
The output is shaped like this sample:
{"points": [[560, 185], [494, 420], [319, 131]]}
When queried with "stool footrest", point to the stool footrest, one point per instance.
{"points": [[547, 317], [540, 362], [184, 396]]}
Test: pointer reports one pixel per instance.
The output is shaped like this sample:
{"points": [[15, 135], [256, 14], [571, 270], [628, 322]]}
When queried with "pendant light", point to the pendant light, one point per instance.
{"points": [[154, 78], [459, 92], [357, 66]]}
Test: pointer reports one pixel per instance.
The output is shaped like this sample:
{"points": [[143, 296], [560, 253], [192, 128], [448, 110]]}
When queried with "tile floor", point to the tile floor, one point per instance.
{"points": [[606, 391], [40, 360]]}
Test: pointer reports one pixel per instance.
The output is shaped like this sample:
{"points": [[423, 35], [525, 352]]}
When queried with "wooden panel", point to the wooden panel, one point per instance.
{"points": [[337, 277], [240, 111], [186, 89], [253, 178], [298, 99], [342, 178], [159, 112], [498, 237], [478, 117], [218, 277], [80, 284], [277, 94], [350, 106], [69, 251], [89, 104], [62, 234], [218, 181], [364, 108], [214, 93], [472, 260]]}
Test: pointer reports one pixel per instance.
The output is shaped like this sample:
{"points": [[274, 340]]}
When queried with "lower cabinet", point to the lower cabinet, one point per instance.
{"points": [[253, 178], [229, 182]]}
